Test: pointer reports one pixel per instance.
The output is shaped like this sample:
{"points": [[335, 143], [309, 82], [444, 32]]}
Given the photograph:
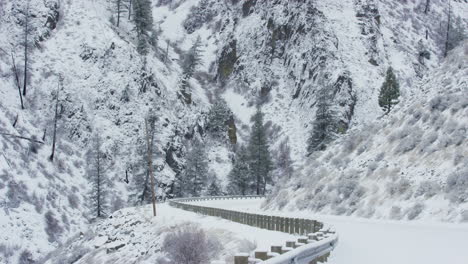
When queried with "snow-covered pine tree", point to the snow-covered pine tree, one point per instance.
{"points": [[389, 92], [218, 118], [195, 176], [190, 62], [143, 17], [140, 180], [98, 178], [283, 162], [260, 161], [240, 179], [214, 188], [323, 130]]}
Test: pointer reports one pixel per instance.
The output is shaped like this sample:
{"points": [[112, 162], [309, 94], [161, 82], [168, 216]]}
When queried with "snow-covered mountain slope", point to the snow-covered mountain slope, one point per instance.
{"points": [[410, 164], [106, 89], [277, 53]]}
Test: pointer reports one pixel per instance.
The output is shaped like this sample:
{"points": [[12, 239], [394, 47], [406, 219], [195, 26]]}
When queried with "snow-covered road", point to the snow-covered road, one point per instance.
{"points": [[364, 241]]}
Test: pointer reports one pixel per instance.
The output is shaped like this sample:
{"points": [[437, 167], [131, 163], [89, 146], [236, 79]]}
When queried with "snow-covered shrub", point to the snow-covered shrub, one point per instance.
{"points": [[459, 136], [26, 257], [457, 159], [438, 104], [189, 244], [8, 251], [410, 142], [53, 228], [320, 201], [428, 189], [38, 203], [304, 201], [17, 192], [457, 186], [73, 200], [414, 211], [398, 187], [395, 213], [346, 187], [361, 149], [380, 156], [464, 216], [372, 165]]}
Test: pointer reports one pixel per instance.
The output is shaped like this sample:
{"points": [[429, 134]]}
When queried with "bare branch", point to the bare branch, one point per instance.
{"points": [[21, 137]]}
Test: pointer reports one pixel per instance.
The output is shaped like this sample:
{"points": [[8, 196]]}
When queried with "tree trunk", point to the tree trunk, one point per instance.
{"points": [[98, 179], [130, 9], [119, 2], [15, 72], [426, 9], [167, 51], [448, 30], [26, 25], [55, 124], [149, 143]]}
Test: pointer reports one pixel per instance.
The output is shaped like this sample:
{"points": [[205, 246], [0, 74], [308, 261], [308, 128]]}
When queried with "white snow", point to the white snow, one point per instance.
{"points": [[364, 241]]}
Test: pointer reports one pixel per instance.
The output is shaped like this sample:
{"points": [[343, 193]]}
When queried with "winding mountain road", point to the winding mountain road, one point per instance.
{"points": [[364, 241]]}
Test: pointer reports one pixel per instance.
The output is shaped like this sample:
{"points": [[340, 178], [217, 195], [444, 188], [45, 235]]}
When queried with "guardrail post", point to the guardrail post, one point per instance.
{"points": [[296, 226], [287, 225]]}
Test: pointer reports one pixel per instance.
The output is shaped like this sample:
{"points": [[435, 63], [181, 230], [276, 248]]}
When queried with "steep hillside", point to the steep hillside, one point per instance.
{"points": [[276, 54], [411, 164], [106, 89]]}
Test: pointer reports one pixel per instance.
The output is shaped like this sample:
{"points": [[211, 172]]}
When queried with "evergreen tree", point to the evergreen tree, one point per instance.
{"points": [[259, 154], [389, 92], [218, 118], [195, 175], [323, 130], [139, 175], [214, 188], [143, 17], [240, 179], [284, 164], [98, 179], [190, 62]]}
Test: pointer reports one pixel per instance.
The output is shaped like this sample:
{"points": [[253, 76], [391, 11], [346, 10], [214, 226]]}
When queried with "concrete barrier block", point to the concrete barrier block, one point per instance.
{"points": [[276, 249], [241, 258], [260, 254], [290, 244]]}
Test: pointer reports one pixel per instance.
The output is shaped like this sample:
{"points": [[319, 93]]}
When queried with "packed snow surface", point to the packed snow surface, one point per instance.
{"points": [[365, 241]]}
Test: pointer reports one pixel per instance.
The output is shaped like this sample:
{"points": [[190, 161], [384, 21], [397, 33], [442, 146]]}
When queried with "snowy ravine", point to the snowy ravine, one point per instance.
{"points": [[410, 164]]}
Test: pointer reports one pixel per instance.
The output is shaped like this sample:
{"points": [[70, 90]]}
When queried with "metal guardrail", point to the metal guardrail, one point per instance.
{"points": [[296, 226], [314, 245]]}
